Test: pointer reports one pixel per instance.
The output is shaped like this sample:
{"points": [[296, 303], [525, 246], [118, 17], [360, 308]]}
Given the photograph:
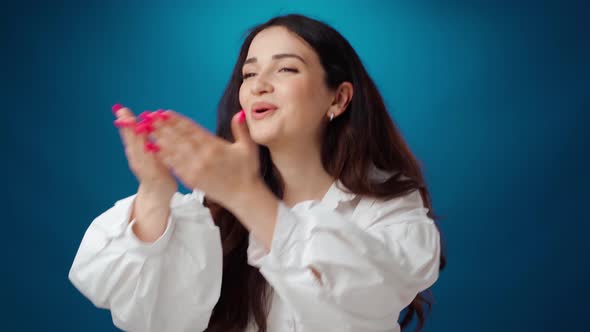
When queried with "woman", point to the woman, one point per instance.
{"points": [[309, 212]]}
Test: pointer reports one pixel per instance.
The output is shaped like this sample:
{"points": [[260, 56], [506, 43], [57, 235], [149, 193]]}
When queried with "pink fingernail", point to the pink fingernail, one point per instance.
{"points": [[116, 107], [156, 115], [143, 127], [151, 147], [144, 115], [242, 116], [149, 117], [121, 123], [164, 116]]}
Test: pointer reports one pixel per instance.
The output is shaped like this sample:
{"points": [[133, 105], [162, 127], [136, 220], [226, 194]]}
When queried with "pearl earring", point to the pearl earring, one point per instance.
{"points": [[331, 116]]}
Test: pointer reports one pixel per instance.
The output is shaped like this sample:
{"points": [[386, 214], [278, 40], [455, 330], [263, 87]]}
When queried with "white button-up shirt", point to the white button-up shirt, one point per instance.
{"points": [[373, 257]]}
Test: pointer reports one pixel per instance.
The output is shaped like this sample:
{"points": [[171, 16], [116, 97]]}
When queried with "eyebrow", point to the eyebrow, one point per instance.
{"points": [[276, 57]]}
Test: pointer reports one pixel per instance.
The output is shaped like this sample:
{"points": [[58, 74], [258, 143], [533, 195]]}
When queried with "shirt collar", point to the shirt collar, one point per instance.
{"points": [[337, 194]]}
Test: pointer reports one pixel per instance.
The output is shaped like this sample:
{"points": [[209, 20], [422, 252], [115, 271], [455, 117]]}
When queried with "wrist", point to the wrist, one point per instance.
{"points": [[155, 191], [151, 201], [151, 209]]}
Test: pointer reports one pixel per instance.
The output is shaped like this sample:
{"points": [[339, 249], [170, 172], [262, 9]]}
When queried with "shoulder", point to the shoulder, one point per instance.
{"points": [[372, 210], [404, 202], [410, 200]]}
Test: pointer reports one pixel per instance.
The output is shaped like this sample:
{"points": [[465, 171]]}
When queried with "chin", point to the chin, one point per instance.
{"points": [[264, 138]]}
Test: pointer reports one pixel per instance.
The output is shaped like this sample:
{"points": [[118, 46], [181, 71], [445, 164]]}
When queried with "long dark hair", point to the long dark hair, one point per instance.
{"points": [[362, 135]]}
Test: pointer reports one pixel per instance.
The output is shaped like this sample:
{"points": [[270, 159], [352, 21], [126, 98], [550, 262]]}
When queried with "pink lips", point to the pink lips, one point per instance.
{"points": [[262, 115], [264, 109]]}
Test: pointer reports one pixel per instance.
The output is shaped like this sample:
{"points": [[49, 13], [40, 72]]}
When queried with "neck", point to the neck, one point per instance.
{"points": [[303, 173]]}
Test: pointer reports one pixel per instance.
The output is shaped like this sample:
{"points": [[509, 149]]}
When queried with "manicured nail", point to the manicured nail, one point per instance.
{"points": [[116, 107], [242, 116], [151, 147], [121, 123], [143, 127], [163, 115], [144, 115], [156, 115]]}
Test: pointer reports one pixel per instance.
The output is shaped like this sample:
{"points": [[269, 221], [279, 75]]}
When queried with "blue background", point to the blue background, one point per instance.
{"points": [[493, 98]]}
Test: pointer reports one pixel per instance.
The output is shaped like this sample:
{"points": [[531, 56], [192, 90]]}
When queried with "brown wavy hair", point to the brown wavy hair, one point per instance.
{"points": [[364, 133]]}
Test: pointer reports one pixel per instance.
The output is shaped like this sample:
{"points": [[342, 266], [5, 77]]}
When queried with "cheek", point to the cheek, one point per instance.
{"points": [[241, 95], [298, 87], [301, 95], [310, 100], [306, 108]]}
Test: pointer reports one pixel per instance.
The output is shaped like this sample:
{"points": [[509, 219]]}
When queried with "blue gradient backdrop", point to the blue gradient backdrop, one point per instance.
{"points": [[493, 98]]}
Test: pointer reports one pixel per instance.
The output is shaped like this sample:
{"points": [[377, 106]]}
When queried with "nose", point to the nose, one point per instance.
{"points": [[260, 85]]}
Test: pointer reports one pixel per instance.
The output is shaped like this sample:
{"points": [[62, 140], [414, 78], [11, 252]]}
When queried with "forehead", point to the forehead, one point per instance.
{"points": [[276, 40]]}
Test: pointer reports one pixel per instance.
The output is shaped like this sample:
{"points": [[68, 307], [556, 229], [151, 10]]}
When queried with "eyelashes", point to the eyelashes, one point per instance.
{"points": [[248, 75]]}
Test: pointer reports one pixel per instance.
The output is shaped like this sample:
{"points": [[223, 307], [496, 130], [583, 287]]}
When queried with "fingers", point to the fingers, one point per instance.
{"points": [[168, 157], [126, 123], [173, 136], [178, 129], [162, 132], [134, 130], [177, 137]]}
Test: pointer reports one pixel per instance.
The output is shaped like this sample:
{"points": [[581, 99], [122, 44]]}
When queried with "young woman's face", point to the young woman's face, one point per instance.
{"points": [[283, 70]]}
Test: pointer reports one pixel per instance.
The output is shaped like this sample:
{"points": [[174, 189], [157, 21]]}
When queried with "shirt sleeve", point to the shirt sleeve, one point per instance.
{"points": [[368, 273], [171, 284]]}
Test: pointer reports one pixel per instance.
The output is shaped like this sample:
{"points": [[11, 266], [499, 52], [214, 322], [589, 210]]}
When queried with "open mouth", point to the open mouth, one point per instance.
{"points": [[262, 110], [262, 113]]}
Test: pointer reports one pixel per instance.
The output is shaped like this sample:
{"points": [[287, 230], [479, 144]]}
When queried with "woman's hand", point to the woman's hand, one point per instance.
{"points": [[199, 159], [149, 171]]}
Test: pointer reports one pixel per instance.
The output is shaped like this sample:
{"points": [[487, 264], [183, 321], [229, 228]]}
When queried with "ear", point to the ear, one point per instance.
{"points": [[341, 99]]}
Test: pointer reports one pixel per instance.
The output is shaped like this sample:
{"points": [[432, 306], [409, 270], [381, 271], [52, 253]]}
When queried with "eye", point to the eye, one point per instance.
{"points": [[247, 75], [290, 69]]}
